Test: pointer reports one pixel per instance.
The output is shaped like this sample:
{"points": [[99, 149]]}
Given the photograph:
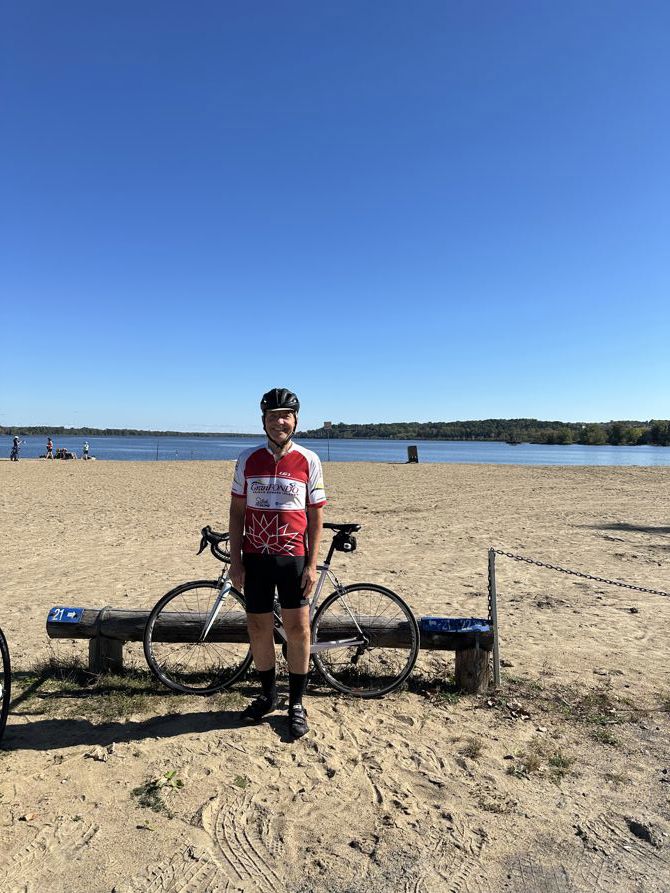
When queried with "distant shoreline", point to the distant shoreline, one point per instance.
{"points": [[514, 432], [509, 431]]}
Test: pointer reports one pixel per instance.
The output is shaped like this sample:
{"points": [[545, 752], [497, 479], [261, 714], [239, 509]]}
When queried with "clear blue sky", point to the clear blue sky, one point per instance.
{"points": [[405, 211]]}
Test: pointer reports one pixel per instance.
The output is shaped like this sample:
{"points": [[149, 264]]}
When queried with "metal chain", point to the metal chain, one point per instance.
{"points": [[564, 570]]}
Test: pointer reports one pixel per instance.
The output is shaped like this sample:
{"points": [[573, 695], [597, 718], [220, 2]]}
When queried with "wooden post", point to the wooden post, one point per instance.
{"points": [[105, 655], [473, 673], [493, 616]]}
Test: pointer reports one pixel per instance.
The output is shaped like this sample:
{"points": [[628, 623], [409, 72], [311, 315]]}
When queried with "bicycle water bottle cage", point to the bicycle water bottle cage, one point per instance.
{"points": [[345, 542]]}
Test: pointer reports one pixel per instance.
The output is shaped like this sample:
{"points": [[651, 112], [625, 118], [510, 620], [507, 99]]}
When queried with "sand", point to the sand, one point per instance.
{"points": [[559, 781]]}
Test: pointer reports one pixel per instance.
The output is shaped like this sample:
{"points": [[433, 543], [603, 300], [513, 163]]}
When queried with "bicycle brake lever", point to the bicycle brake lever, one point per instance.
{"points": [[203, 541]]}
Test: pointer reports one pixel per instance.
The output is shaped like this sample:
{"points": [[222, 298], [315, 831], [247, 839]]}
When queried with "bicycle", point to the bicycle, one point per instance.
{"points": [[365, 638], [5, 682]]}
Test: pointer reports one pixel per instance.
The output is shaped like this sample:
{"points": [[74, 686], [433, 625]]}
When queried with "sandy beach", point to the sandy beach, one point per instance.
{"points": [[559, 781]]}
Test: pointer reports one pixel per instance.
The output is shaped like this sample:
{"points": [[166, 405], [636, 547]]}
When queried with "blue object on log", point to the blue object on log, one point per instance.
{"points": [[454, 625], [65, 615]]}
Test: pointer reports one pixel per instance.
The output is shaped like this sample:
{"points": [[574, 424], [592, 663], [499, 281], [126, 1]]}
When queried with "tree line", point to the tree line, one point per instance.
{"points": [[616, 433], [60, 431], [619, 433]]}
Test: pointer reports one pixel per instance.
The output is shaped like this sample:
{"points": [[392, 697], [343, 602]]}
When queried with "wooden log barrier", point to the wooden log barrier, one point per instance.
{"points": [[109, 628]]}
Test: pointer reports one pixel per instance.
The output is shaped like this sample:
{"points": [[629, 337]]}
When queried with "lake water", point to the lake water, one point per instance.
{"points": [[149, 449]]}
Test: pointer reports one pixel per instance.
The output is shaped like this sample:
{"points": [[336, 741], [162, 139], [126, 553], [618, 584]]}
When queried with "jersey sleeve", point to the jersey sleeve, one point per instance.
{"points": [[316, 494], [239, 487]]}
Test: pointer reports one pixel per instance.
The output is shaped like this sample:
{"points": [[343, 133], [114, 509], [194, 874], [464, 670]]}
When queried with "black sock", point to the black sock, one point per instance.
{"points": [[297, 683], [268, 681]]}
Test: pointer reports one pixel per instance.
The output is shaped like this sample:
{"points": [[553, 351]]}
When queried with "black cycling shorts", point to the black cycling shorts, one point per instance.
{"points": [[263, 574]]}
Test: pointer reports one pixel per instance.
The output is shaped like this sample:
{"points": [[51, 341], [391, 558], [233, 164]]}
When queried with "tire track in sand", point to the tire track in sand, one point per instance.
{"points": [[31, 867], [241, 832], [193, 870]]}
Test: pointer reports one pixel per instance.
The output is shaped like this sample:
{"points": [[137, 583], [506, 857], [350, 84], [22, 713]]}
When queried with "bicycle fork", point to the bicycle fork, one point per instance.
{"points": [[216, 607]]}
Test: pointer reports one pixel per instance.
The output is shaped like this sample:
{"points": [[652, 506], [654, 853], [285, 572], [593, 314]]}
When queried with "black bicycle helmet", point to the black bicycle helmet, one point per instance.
{"points": [[280, 398]]}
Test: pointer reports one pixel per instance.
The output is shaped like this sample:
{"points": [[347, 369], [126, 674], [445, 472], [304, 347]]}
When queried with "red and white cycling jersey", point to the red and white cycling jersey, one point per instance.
{"points": [[277, 494]]}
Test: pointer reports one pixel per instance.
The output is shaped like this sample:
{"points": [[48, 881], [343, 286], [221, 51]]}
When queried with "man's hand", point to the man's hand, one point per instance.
{"points": [[309, 577], [237, 574]]}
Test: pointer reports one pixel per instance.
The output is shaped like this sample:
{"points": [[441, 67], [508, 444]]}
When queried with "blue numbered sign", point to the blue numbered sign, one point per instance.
{"points": [[65, 615]]}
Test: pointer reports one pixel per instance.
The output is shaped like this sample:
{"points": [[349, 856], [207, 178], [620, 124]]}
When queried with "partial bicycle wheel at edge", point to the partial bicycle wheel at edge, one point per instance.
{"points": [[386, 633], [171, 640], [5, 682]]}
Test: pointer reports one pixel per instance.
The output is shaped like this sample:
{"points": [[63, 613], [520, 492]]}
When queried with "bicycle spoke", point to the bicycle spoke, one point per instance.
{"points": [[365, 611], [173, 645]]}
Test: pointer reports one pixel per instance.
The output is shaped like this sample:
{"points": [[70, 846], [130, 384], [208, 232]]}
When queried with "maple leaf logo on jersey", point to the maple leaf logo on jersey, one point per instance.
{"points": [[268, 536]]}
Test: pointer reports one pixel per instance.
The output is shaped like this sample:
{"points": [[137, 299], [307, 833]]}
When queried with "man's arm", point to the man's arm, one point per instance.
{"points": [[236, 531], [314, 532]]}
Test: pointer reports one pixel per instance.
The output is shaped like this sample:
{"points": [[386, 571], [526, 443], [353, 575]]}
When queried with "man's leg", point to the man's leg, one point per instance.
{"points": [[296, 624], [259, 592], [295, 618], [261, 636]]}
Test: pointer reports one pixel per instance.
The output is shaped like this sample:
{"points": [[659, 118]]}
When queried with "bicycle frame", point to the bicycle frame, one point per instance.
{"points": [[325, 573]]}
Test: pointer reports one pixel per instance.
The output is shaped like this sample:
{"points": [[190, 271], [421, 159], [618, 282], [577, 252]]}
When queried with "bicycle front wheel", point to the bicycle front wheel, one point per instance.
{"points": [[5, 682], [173, 644], [365, 640]]}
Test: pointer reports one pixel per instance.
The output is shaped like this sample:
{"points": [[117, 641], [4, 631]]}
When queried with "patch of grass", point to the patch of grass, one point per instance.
{"points": [[68, 690], [604, 736], [436, 689], [472, 749], [495, 803], [227, 700], [597, 707], [541, 757], [524, 685], [151, 794], [559, 765], [72, 670], [527, 764], [560, 760], [532, 762]]}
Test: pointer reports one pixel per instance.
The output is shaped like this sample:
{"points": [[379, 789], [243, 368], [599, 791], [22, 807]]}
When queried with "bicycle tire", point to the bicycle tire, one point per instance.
{"points": [[184, 664], [377, 667], [5, 682]]}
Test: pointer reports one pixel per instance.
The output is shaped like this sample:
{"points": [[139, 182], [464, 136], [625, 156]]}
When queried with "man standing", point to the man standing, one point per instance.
{"points": [[276, 519], [50, 448], [16, 443]]}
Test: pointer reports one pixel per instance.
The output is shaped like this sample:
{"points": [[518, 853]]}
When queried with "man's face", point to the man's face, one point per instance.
{"points": [[280, 425]]}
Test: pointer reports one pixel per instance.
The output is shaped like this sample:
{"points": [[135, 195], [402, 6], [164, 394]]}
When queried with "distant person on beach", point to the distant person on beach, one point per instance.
{"points": [[84, 454], [16, 443], [50, 448], [276, 520]]}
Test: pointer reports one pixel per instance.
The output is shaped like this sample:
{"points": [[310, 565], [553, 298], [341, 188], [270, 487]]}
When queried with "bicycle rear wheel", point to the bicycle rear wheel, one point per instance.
{"points": [[171, 640], [375, 640], [5, 682]]}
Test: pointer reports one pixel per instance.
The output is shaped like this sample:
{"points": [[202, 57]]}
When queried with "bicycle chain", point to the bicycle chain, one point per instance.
{"points": [[564, 570]]}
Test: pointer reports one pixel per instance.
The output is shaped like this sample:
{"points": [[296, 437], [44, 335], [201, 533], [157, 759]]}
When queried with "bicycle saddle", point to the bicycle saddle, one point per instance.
{"points": [[343, 528]]}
